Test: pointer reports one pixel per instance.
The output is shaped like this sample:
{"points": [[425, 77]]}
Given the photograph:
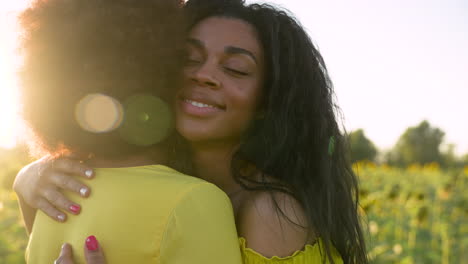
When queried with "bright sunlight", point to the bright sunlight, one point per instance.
{"points": [[10, 124]]}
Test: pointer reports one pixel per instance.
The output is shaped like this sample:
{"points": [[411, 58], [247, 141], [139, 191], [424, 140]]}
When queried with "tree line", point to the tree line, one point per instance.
{"points": [[421, 144]]}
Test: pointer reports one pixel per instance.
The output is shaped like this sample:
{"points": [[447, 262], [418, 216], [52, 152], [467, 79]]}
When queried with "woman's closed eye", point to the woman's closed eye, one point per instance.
{"points": [[237, 66], [235, 71], [190, 60], [193, 57]]}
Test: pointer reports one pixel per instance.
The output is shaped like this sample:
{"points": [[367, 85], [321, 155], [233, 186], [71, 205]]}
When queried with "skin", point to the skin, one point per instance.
{"points": [[224, 70], [92, 255]]}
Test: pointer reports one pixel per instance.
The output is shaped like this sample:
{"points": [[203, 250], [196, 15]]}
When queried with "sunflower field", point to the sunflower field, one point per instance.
{"points": [[413, 215]]}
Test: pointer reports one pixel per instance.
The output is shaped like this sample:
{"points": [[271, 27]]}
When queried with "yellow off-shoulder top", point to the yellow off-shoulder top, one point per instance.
{"points": [[310, 255], [154, 214]]}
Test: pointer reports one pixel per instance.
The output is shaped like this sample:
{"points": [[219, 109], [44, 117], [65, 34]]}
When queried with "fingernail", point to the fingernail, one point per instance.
{"points": [[64, 245], [92, 243], [61, 217], [84, 191], [89, 173], [75, 208]]}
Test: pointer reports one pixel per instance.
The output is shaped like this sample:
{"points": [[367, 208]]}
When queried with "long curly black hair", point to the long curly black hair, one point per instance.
{"points": [[73, 48], [298, 141]]}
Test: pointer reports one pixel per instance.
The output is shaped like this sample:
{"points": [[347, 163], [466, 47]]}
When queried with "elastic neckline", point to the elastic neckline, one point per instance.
{"points": [[307, 248]]}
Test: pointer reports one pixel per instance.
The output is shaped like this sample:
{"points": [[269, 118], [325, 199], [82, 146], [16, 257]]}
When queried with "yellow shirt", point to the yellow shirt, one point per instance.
{"points": [[311, 254], [148, 214]]}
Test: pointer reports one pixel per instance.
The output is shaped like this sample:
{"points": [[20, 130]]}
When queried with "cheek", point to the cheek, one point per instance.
{"points": [[244, 106], [245, 109], [247, 97]]}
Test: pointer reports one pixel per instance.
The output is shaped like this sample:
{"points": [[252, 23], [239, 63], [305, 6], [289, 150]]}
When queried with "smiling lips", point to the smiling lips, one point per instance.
{"points": [[200, 107], [199, 104]]}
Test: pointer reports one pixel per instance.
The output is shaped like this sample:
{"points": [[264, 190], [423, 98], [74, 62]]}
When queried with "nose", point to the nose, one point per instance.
{"points": [[205, 76]]}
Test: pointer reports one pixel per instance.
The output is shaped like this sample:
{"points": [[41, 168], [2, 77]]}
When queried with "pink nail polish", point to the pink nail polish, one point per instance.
{"points": [[75, 208], [92, 243]]}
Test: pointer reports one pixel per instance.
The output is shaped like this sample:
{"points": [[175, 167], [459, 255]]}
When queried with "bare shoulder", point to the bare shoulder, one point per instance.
{"points": [[267, 230]]}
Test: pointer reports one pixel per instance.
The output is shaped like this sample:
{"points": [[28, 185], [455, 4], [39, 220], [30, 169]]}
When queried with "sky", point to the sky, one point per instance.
{"points": [[393, 63]]}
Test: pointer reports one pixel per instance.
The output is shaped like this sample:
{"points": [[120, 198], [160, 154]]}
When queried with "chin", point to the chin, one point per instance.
{"points": [[192, 132], [197, 131]]}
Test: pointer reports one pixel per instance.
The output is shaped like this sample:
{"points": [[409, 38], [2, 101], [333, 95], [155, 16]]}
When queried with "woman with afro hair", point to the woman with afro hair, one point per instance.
{"points": [[88, 60]]}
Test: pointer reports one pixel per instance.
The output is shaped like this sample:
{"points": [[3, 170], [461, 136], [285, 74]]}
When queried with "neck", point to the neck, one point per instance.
{"points": [[213, 164]]}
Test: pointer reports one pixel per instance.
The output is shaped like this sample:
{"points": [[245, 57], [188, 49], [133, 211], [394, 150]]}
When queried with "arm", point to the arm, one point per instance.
{"points": [[22, 181], [28, 213], [201, 229], [37, 187]]}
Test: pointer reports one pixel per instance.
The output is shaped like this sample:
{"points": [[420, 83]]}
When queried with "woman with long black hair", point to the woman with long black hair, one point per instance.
{"points": [[258, 116]]}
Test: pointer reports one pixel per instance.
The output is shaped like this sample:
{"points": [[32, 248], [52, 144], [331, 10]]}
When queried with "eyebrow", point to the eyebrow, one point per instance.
{"points": [[229, 49], [236, 50], [196, 42]]}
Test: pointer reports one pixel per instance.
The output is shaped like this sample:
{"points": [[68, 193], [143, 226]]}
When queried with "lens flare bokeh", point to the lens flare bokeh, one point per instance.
{"points": [[99, 113], [148, 120]]}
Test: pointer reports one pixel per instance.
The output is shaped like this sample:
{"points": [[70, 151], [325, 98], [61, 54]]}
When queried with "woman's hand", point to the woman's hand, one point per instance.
{"points": [[93, 253], [38, 186]]}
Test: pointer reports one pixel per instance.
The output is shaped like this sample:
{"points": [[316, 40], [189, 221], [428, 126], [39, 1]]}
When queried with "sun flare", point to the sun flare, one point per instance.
{"points": [[9, 102], [10, 122]]}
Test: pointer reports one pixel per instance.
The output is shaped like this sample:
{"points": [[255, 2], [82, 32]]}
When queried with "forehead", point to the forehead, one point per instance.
{"points": [[219, 32]]}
